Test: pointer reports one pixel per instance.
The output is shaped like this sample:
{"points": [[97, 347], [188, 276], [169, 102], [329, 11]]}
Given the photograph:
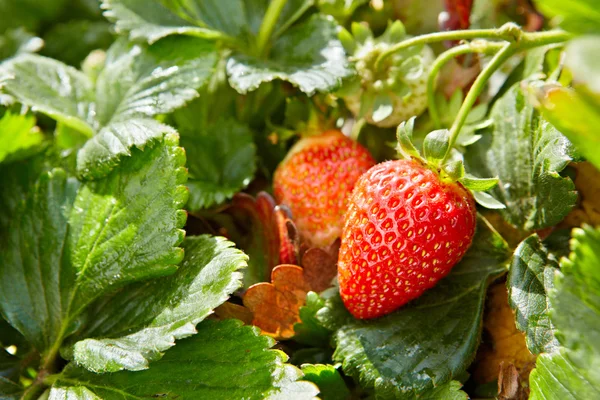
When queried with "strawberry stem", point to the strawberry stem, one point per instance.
{"points": [[473, 47], [509, 32], [526, 41], [268, 25], [507, 51]]}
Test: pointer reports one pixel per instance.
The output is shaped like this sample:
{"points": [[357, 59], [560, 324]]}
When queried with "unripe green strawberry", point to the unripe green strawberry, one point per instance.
{"points": [[405, 229], [392, 92], [315, 181]]}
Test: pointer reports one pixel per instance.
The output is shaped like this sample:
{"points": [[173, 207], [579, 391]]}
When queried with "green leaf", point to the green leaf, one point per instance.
{"points": [[447, 391], [404, 134], [16, 41], [328, 379], [122, 336], [122, 230], [150, 20], [310, 331], [222, 161], [382, 108], [52, 88], [455, 169], [340, 9], [435, 145], [581, 16], [10, 390], [574, 372], [478, 184], [138, 81], [224, 360], [486, 200], [529, 280], [32, 276], [308, 55], [236, 21], [576, 299], [103, 152], [9, 365], [16, 180], [29, 14], [9, 336], [555, 377], [527, 154], [19, 136], [66, 247], [72, 393], [572, 115], [582, 58], [91, 35], [428, 342]]}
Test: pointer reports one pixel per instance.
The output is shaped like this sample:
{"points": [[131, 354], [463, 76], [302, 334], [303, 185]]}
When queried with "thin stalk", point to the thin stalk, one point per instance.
{"points": [[508, 32], [507, 51], [35, 390], [268, 25], [475, 47], [537, 39]]}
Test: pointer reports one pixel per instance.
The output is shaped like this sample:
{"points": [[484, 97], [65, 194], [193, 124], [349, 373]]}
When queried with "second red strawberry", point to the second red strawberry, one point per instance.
{"points": [[315, 181]]}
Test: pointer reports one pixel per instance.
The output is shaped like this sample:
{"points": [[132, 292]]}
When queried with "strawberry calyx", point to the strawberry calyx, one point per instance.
{"points": [[305, 117], [435, 147], [378, 94]]}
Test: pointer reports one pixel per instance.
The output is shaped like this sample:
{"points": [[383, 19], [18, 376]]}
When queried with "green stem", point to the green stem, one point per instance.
{"points": [[36, 389], [509, 32], [507, 51], [526, 41], [474, 47], [268, 24], [537, 39]]}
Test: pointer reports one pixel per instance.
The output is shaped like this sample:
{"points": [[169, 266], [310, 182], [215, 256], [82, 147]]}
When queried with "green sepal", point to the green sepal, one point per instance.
{"points": [[455, 170], [382, 108], [412, 68], [328, 379], [347, 40], [486, 200], [404, 134], [436, 145], [478, 184], [367, 104], [361, 32], [395, 31]]}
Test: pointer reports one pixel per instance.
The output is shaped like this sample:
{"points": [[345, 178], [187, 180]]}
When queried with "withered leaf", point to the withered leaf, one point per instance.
{"points": [[276, 305], [320, 266], [505, 342], [509, 383], [230, 310], [587, 182], [289, 239]]}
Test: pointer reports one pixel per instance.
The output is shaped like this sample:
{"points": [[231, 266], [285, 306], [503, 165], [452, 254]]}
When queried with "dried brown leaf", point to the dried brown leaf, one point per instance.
{"points": [[276, 305], [289, 238], [587, 182], [505, 343], [320, 266], [509, 383], [230, 310]]}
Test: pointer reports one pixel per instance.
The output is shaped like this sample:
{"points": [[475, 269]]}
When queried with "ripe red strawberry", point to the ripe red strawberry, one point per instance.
{"points": [[404, 230], [315, 181]]}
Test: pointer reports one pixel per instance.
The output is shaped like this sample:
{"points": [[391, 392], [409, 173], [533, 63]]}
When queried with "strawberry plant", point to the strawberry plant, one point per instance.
{"points": [[298, 199]]}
